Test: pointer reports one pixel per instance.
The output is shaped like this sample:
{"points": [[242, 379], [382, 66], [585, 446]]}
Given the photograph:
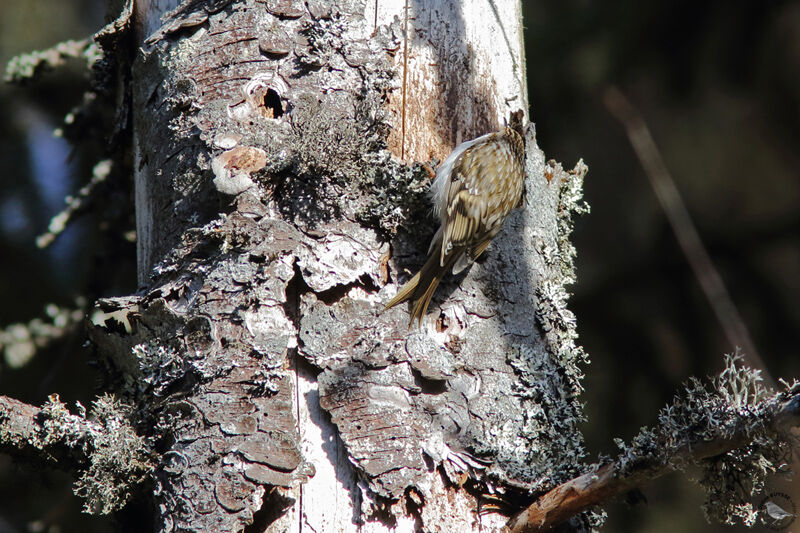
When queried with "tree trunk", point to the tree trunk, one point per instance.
{"points": [[280, 200]]}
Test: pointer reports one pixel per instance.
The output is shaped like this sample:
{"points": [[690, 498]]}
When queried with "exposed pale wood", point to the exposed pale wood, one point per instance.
{"points": [[462, 66]]}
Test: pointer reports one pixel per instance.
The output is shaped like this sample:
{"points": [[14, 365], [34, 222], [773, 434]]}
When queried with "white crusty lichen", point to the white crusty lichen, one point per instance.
{"points": [[736, 407], [552, 294], [570, 203], [114, 458], [547, 447], [160, 366]]}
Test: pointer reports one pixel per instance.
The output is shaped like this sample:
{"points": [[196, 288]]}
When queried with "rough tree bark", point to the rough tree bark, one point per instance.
{"points": [[279, 202]]}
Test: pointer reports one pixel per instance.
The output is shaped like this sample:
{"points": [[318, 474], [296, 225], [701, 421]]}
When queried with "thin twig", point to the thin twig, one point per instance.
{"points": [[688, 238], [75, 204], [19, 343], [593, 488]]}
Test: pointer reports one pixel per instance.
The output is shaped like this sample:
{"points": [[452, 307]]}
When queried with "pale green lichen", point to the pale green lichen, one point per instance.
{"points": [[550, 447], [333, 139], [399, 196], [731, 480], [115, 458], [160, 367], [736, 404]]}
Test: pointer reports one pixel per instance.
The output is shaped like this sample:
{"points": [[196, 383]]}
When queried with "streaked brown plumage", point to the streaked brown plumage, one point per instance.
{"points": [[475, 189]]}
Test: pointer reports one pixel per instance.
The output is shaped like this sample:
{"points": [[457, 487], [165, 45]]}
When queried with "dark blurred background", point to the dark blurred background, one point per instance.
{"points": [[37, 170], [718, 84]]}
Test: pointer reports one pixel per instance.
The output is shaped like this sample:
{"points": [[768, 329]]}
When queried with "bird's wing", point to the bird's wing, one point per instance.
{"points": [[471, 254], [466, 206]]}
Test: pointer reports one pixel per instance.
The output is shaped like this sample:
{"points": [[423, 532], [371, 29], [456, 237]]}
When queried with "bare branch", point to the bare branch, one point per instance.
{"points": [[685, 231]]}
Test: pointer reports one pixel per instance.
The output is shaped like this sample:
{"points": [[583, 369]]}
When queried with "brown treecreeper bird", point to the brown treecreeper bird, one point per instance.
{"points": [[475, 189]]}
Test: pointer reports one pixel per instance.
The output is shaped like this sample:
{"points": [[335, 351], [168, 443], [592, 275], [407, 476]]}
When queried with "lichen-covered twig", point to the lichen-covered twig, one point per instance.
{"points": [[20, 342], [75, 204], [103, 446], [736, 423], [27, 66]]}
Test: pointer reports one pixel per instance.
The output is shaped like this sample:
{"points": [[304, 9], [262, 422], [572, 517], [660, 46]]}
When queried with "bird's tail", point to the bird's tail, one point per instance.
{"points": [[421, 287]]}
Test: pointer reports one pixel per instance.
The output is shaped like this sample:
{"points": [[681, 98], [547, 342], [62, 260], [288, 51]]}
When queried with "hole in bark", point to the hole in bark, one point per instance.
{"points": [[337, 292], [428, 385], [294, 289], [274, 506], [272, 104]]}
